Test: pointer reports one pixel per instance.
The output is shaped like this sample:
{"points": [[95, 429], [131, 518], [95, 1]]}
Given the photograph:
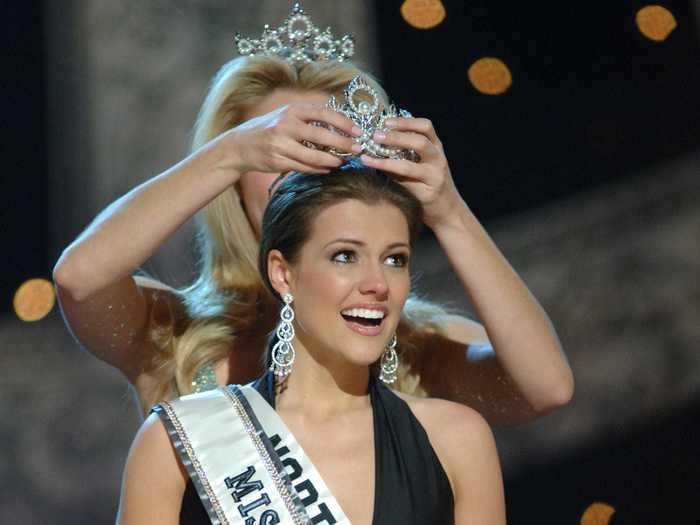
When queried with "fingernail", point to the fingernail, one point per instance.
{"points": [[357, 148], [391, 123], [379, 135], [356, 131], [365, 159]]}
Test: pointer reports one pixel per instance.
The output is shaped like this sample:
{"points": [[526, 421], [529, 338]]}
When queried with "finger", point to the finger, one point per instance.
{"points": [[405, 169], [408, 140], [325, 137], [292, 166], [418, 125], [311, 157], [328, 116]]}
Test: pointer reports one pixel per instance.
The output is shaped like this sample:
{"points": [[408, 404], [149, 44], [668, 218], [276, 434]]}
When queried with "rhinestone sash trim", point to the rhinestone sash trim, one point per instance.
{"points": [[262, 444], [189, 459]]}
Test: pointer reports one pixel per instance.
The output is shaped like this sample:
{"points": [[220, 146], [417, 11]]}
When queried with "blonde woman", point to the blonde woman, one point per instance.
{"points": [[253, 126]]}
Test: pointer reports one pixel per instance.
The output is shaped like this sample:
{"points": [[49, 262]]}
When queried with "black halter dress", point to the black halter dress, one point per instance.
{"points": [[411, 487]]}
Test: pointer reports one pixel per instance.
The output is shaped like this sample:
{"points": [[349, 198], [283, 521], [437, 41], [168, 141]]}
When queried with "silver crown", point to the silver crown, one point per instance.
{"points": [[297, 40], [370, 118]]}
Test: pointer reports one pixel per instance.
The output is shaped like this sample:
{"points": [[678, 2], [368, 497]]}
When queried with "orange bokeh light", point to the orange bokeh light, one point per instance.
{"points": [[490, 76], [655, 22], [423, 14], [34, 299], [597, 514]]}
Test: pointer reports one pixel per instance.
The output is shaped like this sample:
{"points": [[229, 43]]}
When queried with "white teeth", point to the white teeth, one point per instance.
{"points": [[364, 312]]}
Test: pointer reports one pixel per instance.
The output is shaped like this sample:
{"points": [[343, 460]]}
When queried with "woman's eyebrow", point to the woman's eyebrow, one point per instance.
{"points": [[346, 241], [362, 243]]}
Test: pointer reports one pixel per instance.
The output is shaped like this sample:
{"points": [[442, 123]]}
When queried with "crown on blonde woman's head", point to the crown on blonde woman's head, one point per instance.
{"points": [[297, 41]]}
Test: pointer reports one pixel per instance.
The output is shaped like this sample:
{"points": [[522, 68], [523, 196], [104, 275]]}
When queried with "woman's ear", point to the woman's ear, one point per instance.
{"points": [[279, 272]]}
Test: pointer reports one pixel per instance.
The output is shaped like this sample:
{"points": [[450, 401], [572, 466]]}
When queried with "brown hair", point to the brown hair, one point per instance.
{"points": [[297, 201]]}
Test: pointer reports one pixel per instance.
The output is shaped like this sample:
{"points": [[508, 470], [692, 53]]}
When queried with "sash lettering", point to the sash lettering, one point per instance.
{"points": [[242, 486], [305, 488]]}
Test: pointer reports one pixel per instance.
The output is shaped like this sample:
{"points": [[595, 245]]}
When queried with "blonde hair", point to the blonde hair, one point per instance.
{"points": [[224, 301]]}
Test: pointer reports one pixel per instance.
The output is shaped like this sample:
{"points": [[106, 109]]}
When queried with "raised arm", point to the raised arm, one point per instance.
{"points": [[108, 310], [527, 360], [131, 229]]}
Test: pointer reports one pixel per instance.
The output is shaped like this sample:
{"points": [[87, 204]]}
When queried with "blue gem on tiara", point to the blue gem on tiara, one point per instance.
{"points": [[297, 41]]}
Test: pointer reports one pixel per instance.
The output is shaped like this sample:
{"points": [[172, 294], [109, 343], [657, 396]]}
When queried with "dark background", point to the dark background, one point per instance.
{"points": [[24, 205], [592, 98]]}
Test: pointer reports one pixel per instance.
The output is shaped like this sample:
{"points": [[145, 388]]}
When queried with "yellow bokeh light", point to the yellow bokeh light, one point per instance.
{"points": [[597, 514], [423, 14], [655, 22], [34, 299], [490, 76]]}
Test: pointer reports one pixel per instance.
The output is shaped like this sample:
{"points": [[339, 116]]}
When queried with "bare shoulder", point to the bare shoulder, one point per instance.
{"points": [[154, 478], [444, 420], [164, 307], [156, 292], [152, 434], [466, 448], [152, 447]]}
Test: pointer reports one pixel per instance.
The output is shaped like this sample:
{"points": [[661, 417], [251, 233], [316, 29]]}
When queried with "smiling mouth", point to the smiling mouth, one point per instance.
{"points": [[363, 321]]}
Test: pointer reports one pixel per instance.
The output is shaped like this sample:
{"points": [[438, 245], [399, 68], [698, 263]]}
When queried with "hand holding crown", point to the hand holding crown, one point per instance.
{"points": [[366, 114], [390, 139]]}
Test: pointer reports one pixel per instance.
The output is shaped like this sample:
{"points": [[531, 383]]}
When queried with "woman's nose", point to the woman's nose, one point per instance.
{"points": [[374, 282]]}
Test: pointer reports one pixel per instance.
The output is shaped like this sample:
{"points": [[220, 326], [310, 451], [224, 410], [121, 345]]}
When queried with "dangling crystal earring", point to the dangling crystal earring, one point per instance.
{"points": [[283, 351], [389, 363]]}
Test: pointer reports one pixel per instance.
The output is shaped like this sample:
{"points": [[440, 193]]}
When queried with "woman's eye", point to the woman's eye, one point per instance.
{"points": [[344, 257], [398, 259]]}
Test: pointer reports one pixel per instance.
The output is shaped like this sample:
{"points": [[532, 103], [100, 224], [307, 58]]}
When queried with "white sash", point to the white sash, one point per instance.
{"points": [[246, 465]]}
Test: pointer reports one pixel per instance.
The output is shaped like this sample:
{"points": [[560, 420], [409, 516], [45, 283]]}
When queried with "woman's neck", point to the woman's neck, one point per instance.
{"points": [[323, 390]]}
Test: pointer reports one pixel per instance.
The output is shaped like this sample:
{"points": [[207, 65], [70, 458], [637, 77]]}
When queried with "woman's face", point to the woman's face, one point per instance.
{"points": [[350, 281], [254, 186]]}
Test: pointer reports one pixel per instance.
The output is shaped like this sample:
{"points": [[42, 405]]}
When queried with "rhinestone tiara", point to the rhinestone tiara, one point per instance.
{"points": [[370, 118], [297, 41]]}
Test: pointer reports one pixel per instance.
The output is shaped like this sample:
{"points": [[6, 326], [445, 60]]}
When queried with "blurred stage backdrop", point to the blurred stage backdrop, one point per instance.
{"points": [[573, 131]]}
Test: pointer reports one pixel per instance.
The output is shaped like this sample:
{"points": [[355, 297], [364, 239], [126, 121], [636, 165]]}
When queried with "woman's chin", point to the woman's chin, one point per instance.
{"points": [[362, 357], [348, 350]]}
